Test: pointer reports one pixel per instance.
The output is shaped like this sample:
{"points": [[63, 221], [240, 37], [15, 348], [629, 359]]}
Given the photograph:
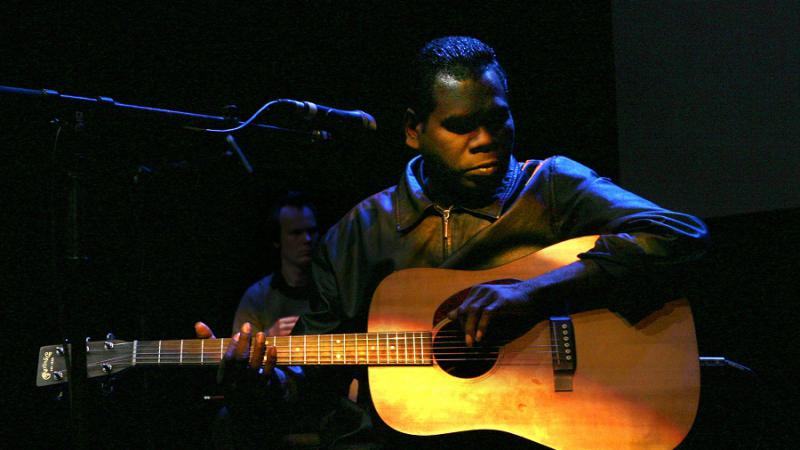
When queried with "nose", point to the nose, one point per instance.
{"points": [[310, 236], [481, 140]]}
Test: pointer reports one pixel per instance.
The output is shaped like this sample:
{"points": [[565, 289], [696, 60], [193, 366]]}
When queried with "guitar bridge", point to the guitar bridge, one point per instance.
{"points": [[565, 358]]}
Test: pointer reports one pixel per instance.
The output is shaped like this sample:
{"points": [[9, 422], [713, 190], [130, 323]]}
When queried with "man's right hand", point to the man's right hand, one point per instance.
{"points": [[282, 326]]}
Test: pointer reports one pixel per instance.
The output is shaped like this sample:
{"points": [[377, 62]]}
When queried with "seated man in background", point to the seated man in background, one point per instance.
{"points": [[274, 303], [272, 306]]}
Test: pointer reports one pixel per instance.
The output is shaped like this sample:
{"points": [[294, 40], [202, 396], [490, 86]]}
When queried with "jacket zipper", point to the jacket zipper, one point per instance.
{"points": [[446, 231]]}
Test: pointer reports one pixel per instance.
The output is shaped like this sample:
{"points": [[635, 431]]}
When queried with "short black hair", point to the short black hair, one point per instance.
{"points": [[461, 57], [295, 199]]}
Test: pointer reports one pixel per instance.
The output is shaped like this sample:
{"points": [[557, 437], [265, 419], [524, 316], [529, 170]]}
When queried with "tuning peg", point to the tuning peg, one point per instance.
{"points": [[109, 344]]}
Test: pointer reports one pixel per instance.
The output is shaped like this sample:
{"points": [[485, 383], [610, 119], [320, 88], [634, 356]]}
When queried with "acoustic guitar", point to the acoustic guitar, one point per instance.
{"points": [[587, 381]]}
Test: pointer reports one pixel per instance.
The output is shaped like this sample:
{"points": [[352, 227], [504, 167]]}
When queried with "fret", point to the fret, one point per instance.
{"points": [[304, 349], [159, 352], [397, 348], [220, 348], [318, 352], [394, 348], [354, 343], [180, 358], [344, 348], [290, 349], [366, 348], [361, 353], [388, 350], [378, 346], [267, 345], [133, 360], [202, 350], [330, 347], [421, 348], [405, 346], [414, 346]]}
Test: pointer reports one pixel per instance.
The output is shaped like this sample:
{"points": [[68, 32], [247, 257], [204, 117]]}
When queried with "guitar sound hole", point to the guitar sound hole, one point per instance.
{"points": [[455, 358]]}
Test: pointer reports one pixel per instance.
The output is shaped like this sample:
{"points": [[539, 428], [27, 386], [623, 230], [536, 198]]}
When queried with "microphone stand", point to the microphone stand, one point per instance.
{"points": [[70, 263]]}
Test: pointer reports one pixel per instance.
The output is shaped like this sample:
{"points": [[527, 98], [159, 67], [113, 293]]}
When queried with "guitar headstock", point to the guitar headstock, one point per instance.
{"points": [[103, 358]]}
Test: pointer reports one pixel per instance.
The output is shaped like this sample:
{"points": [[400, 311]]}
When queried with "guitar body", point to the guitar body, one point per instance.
{"points": [[634, 386]]}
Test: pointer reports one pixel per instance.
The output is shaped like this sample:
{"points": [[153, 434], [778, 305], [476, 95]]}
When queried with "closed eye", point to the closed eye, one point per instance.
{"points": [[460, 125]]}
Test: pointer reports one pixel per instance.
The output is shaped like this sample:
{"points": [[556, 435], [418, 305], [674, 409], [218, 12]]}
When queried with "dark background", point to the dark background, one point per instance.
{"points": [[173, 226], [709, 90]]}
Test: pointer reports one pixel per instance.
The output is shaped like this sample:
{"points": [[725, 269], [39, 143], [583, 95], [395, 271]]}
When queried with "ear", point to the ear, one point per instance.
{"points": [[413, 128]]}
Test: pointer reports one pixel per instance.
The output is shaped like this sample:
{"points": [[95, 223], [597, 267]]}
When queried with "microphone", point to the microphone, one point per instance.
{"points": [[329, 118]]}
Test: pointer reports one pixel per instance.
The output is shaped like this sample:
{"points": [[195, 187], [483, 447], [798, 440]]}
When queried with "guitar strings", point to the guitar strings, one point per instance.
{"points": [[189, 349], [380, 341], [515, 362], [446, 346], [520, 357]]}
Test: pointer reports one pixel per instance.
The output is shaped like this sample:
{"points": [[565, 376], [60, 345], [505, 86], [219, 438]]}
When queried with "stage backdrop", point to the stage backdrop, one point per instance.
{"points": [[709, 92]]}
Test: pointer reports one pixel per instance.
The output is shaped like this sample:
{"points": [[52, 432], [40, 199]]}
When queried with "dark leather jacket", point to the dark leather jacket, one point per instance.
{"points": [[540, 203]]}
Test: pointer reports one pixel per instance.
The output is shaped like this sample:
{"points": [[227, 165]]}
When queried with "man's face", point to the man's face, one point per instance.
{"points": [[299, 235], [467, 139]]}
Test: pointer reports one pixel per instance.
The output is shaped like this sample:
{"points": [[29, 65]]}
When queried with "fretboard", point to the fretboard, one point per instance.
{"points": [[374, 349]]}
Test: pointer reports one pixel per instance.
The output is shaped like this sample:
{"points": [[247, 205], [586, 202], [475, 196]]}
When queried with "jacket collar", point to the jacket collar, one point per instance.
{"points": [[411, 202]]}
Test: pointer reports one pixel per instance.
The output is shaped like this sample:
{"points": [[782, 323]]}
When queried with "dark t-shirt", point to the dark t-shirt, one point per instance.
{"points": [[269, 299]]}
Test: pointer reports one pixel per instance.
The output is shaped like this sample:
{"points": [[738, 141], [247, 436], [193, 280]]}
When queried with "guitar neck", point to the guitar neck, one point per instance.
{"points": [[373, 349]]}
